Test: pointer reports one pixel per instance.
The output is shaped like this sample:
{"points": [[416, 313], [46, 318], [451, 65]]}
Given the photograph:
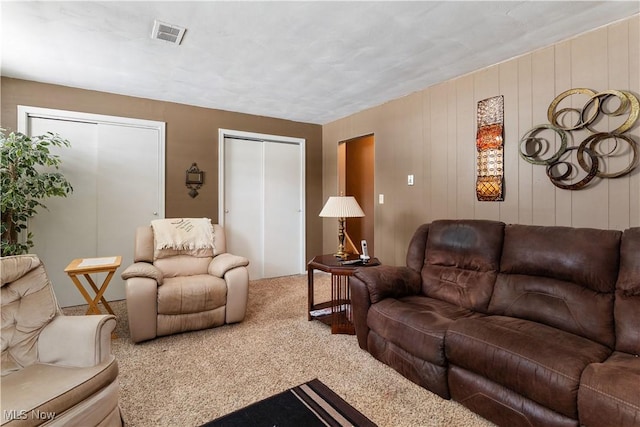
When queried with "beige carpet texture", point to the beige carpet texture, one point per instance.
{"points": [[191, 378]]}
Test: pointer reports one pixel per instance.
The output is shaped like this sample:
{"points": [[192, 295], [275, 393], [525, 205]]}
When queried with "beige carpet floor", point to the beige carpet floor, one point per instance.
{"points": [[191, 378]]}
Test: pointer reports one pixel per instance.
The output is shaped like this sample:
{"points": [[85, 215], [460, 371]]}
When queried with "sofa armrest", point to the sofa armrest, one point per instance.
{"points": [[143, 269], [385, 281], [142, 308], [237, 280], [78, 341], [360, 304], [222, 263]]}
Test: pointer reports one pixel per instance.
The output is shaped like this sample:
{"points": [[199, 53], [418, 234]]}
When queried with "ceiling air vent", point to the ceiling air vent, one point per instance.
{"points": [[167, 32]]}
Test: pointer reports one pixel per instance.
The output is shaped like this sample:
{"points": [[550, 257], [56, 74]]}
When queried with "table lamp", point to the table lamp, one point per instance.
{"points": [[341, 207]]}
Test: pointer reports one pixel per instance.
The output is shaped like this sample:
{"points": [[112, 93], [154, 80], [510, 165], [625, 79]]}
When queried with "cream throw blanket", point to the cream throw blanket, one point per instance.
{"points": [[183, 233]]}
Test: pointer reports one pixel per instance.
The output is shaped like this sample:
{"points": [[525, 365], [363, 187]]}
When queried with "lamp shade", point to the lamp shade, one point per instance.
{"points": [[341, 207]]}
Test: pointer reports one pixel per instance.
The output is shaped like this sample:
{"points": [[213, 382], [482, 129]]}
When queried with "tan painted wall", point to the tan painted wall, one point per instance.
{"points": [[191, 136], [432, 134]]}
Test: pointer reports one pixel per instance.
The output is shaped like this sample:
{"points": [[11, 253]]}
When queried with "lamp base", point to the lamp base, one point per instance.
{"points": [[341, 255]]}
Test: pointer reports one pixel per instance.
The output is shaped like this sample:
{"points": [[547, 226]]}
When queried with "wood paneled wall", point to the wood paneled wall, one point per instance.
{"points": [[431, 134]]}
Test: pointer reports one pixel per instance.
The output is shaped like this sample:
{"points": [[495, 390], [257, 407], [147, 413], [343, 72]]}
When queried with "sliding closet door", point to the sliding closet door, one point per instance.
{"points": [[67, 229], [128, 188], [282, 210], [117, 184], [243, 202], [262, 205]]}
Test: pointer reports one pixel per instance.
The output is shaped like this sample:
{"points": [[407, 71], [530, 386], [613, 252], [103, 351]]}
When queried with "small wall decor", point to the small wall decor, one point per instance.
{"points": [[592, 152], [489, 144], [194, 179]]}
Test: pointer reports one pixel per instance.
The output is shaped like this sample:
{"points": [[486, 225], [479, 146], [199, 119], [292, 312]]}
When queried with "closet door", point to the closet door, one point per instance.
{"points": [[127, 187], [117, 184], [243, 223], [262, 205], [282, 210]]}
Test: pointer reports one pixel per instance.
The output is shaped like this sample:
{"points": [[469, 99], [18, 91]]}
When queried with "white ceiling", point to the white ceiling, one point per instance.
{"points": [[312, 62]]}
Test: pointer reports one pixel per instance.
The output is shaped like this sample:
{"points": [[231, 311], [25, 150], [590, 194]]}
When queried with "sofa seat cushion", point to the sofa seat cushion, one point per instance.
{"points": [[609, 393], [539, 362], [32, 388], [191, 294], [416, 324]]}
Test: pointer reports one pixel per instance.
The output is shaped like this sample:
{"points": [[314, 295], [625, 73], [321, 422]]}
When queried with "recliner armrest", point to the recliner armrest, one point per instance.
{"points": [[143, 269], [222, 263], [78, 341], [385, 281]]}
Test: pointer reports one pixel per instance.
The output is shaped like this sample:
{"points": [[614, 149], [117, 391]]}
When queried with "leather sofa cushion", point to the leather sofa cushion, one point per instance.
{"points": [[584, 256], [560, 276], [416, 324], [627, 304], [627, 320], [182, 265], [173, 323], [32, 388], [431, 376], [556, 303], [191, 294], [462, 260], [539, 362], [609, 393], [500, 405]]}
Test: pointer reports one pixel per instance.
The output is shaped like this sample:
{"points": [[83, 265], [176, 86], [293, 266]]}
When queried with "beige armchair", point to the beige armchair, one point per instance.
{"points": [[183, 285], [56, 369]]}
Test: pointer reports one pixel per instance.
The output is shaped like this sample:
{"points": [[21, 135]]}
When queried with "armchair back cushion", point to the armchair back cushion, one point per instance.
{"points": [[144, 249], [560, 276], [28, 305], [175, 263], [462, 261]]}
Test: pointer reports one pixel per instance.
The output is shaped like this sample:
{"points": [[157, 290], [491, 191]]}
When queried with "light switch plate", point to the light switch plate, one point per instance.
{"points": [[410, 179], [381, 199]]}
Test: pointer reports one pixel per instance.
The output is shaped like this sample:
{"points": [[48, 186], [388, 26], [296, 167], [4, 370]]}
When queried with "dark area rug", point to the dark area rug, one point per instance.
{"points": [[310, 404]]}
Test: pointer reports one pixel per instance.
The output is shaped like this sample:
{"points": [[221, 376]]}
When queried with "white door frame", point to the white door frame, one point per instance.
{"points": [[25, 112], [229, 133]]}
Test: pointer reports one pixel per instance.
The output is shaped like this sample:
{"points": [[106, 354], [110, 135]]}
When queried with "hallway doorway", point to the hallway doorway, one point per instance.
{"points": [[356, 158]]}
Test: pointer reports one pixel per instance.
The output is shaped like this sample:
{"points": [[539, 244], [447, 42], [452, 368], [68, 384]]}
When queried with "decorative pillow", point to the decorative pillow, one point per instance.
{"points": [[143, 269], [225, 262]]}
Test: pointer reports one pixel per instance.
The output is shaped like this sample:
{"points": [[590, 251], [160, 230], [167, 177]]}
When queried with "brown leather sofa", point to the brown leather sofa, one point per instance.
{"points": [[524, 325]]}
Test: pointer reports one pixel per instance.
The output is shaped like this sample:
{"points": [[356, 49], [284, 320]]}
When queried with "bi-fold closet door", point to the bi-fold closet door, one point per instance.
{"points": [[262, 203], [117, 174]]}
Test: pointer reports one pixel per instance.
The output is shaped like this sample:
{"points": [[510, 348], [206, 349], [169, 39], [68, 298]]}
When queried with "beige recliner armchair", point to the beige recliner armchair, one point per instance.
{"points": [[183, 280], [56, 369]]}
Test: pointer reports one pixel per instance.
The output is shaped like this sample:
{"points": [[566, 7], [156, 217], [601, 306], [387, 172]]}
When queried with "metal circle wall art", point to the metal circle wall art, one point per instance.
{"points": [[600, 110]]}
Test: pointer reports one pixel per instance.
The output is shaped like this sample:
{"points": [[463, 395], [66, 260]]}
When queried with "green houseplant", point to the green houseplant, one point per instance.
{"points": [[25, 182]]}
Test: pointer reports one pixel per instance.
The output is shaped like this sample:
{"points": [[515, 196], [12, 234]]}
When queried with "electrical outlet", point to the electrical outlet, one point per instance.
{"points": [[410, 179]]}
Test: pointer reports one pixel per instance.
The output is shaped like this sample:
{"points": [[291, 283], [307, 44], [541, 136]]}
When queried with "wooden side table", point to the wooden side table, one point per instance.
{"points": [[337, 311], [87, 266]]}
